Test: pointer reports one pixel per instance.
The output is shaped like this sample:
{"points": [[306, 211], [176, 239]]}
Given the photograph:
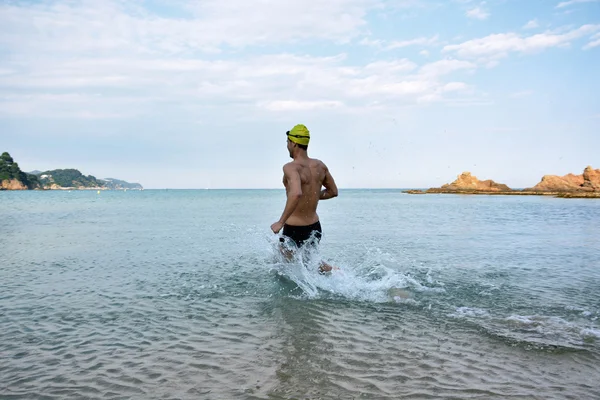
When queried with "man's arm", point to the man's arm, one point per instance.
{"points": [[294, 191], [330, 190]]}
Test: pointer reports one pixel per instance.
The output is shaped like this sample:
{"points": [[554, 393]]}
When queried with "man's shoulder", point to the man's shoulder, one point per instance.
{"points": [[318, 163], [292, 165]]}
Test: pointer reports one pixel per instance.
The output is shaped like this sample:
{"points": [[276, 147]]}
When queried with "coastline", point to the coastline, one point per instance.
{"points": [[13, 178], [570, 186], [48, 189], [568, 195]]}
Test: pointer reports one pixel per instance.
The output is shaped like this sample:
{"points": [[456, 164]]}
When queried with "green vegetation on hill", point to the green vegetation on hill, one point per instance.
{"points": [[57, 178], [9, 170], [113, 183], [69, 178]]}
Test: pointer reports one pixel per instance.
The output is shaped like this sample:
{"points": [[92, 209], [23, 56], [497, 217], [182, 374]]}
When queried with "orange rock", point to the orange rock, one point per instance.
{"points": [[466, 181], [12, 184], [591, 178], [588, 181]]}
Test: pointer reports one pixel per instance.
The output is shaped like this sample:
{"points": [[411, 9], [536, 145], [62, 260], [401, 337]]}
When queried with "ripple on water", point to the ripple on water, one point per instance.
{"points": [[158, 298]]}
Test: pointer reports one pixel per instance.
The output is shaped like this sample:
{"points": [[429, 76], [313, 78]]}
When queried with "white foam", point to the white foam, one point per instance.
{"points": [[522, 320], [469, 312], [370, 279], [590, 334], [404, 300]]}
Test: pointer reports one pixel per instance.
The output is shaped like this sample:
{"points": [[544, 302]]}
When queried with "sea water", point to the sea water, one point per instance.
{"points": [[184, 294]]}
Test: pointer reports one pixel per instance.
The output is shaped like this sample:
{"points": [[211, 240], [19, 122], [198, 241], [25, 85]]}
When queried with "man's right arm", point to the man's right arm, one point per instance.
{"points": [[331, 189]]}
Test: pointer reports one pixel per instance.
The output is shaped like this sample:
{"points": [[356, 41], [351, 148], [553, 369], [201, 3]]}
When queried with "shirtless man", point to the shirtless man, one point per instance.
{"points": [[303, 178]]}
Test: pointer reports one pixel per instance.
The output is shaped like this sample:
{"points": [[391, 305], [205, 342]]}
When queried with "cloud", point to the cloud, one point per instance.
{"points": [[281, 82], [478, 13], [397, 44], [65, 63], [594, 42], [424, 53], [387, 67], [71, 105], [571, 2], [531, 24], [497, 46], [290, 105], [455, 86], [444, 67], [204, 26]]}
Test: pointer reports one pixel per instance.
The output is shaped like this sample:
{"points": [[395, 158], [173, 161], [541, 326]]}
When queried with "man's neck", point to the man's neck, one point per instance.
{"points": [[300, 155]]}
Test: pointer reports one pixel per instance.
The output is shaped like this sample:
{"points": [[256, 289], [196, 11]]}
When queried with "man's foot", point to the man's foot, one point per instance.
{"points": [[324, 268]]}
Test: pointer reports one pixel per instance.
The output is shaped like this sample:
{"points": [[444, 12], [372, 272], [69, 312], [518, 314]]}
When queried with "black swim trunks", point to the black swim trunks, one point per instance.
{"points": [[300, 234]]}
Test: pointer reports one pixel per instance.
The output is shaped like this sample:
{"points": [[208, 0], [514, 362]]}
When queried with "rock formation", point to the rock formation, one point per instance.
{"points": [[468, 182], [591, 178], [586, 185], [12, 184], [586, 182]]}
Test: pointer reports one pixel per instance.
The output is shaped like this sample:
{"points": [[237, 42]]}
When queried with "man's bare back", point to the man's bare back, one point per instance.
{"points": [[313, 175]]}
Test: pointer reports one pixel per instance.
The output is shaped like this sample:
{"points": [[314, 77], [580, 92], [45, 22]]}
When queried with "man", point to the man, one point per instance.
{"points": [[303, 178]]}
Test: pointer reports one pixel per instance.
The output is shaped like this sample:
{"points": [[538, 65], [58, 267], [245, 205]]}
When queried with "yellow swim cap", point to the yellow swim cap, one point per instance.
{"points": [[299, 134]]}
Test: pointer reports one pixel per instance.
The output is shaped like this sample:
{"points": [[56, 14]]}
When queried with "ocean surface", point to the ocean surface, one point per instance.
{"points": [[183, 294]]}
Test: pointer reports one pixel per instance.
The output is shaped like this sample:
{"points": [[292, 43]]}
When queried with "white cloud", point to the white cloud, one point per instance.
{"points": [[129, 86], [291, 105], [69, 105], [497, 46], [531, 24], [82, 25], [424, 53], [478, 13], [438, 94], [594, 42], [444, 67], [454, 86], [70, 65], [571, 2], [396, 44], [386, 67]]}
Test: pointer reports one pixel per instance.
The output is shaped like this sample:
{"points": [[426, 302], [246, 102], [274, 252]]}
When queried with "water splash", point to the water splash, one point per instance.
{"points": [[369, 277]]}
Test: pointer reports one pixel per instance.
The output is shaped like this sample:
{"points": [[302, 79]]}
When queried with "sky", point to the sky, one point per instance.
{"points": [[396, 94]]}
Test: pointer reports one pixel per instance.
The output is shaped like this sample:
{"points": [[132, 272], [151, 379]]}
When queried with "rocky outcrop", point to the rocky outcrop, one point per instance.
{"points": [[469, 183], [589, 181], [12, 184], [591, 178], [554, 183], [586, 185]]}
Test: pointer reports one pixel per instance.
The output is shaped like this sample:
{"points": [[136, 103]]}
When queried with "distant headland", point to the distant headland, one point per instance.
{"points": [[12, 178], [586, 185]]}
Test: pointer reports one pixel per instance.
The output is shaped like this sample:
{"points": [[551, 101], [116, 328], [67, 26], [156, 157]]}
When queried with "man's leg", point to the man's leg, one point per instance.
{"points": [[315, 241], [324, 267], [284, 250]]}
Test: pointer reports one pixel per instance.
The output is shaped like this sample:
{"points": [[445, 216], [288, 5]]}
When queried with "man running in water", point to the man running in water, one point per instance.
{"points": [[303, 178]]}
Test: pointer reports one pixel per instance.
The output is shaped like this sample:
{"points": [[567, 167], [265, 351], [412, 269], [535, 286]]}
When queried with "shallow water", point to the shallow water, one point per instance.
{"points": [[183, 294]]}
